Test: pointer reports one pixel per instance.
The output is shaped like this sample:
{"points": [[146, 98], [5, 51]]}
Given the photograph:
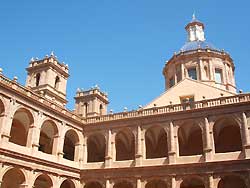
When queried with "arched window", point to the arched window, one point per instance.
{"points": [[156, 143], [69, 148], [192, 182], [57, 81], [190, 139], [232, 181], [13, 178], [224, 130], [43, 181], [156, 184], [21, 123], [125, 145], [47, 136], [123, 184], [101, 109], [93, 185], [85, 109], [96, 146], [67, 184], [38, 79]]}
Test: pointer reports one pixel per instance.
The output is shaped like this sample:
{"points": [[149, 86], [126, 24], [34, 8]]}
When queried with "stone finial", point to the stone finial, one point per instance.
{"points": [[32, 59], [1, 71], [111, 111], [78, 90], [15, 78], [240, 91], [52, 54], [125, 109]]}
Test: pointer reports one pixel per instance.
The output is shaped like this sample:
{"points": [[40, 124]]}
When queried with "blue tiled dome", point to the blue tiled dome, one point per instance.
{"points": [[194, 45]]}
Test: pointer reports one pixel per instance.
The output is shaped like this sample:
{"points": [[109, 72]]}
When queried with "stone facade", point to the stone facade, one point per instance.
{"points": [[200, 142]]}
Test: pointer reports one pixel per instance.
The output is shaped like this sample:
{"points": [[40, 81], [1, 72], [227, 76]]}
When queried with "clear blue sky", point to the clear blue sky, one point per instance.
{"points": [[121, 45]]}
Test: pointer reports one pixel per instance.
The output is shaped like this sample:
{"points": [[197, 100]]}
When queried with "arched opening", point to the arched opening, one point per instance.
{"points": [[1, 108], [13, 178], [190, 139], [232, 181], [192, 183], [101, 109], [156, 184], [93, 185], [43, 181], [224, 130], [156, 143], [38, 76], [47, 136], [123, 184], [57, 81], [85, 109], [70, 142], [96, 145], [22, 120], [125, 145], [67, 184], [1, 111]]}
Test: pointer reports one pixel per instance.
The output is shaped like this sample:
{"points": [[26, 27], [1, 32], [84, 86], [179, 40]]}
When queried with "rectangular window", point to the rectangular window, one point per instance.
{"points": [[192, 73], [218, 76], [171, 82]]}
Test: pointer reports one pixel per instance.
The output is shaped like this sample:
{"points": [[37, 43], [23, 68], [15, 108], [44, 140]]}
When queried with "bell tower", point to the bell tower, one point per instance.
{"points": [[92, 102], [48, 77]]}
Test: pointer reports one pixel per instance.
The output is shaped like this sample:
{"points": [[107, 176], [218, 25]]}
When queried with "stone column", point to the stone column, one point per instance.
{"points": [[208, 148], [78, 155], [246, 136], [109, 184], [173, 182], [172, 144], [210, 181], [139, 183], [85, 150], [7, 120], [138, 155], [108, 157], [34, 133]]}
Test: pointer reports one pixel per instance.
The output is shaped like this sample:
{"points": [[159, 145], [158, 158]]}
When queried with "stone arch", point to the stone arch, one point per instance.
{"points": [[123, 184], [232, 181], [13, 178], [48, 134], [22, 121], [93, 184], [96, 145], [67, 183], [192, 182], [224, 130], [70, 146], [43, 181], [156, 142], [190, 139], [156, 184], [125, 145]]}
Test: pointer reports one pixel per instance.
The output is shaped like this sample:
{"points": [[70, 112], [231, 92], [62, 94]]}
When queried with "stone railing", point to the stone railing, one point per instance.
{"points": [[240, 98], [13, 84]]}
